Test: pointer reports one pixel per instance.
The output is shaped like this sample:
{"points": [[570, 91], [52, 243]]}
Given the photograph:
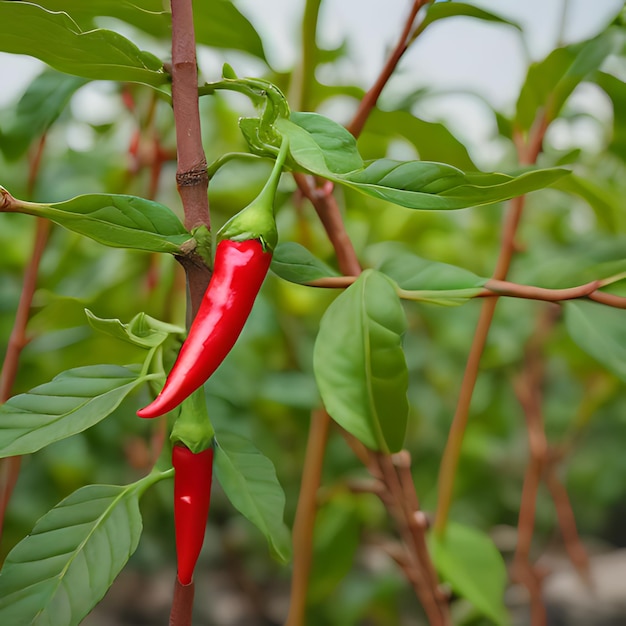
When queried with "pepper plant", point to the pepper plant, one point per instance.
{"points": [[360, 296]]}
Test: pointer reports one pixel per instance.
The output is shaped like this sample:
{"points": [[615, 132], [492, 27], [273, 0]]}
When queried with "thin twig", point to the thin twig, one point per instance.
{"points": [[527, 154], [371, 97]]}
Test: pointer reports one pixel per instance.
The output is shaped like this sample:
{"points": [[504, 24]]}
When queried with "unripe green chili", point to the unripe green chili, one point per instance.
{"points": [[192, 496], [242, 259]]}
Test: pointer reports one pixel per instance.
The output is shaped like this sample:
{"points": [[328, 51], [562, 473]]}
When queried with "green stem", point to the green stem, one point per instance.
{"points": [[225, 158]]}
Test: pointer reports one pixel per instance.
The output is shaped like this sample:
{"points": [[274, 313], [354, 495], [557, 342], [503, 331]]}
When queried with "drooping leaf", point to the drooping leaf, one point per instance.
{"points": [[429, 280], [436, 186], [63, 568], [432, 140], [442, 10], [38, 108], [55, 39], [119, 221], [359, 363], [249, 481], [295, 263], [550, 82], [468, 560], [600, 331], [143, 330], [70, 403]]}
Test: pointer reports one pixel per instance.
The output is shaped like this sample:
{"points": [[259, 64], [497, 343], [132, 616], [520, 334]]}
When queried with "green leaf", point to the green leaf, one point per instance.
{"points": [[295, 263], [63, 568], [429, 280], [326, 149], [119, 221], [44, 100], [600, 331], [359, 363], [70, 403], [436, 186], [442, 10], [55, 39], [550, 82], [468, 560], [249, 481], [432, 140], [142, 330], [146, 15]]}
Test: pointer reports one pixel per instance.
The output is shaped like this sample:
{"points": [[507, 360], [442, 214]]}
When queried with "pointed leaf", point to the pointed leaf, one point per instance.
{"points": [[436, 186], [468, 560], [44, 100], [432, 140], [249, 480], [359, 363], [59, 572], [442, 10], [600, 331], [55, 39], [70, 403], [295, 263], [550, 82], [119, 221], [142, 330]]}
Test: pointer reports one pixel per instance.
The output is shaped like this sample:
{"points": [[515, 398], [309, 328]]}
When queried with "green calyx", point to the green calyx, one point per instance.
{"points": [[193, 427], [257, 221]]}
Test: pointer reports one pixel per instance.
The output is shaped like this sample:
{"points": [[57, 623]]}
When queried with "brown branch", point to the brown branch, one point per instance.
{"points": [[191, 174], [182, 604], [610, 299], [327, 209], [304, 522], [527, 154], [371, 97]]}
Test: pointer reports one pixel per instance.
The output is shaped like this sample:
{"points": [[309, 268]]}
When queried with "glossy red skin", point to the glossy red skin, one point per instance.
{"points": [[239, 271], [192, 496]]}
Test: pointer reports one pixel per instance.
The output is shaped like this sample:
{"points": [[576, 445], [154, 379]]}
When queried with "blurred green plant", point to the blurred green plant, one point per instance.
{"points": [[91, 318]]}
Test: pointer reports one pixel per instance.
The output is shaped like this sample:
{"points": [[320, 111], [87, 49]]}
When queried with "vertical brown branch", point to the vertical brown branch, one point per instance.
{"points": [[527, 154], [191, 175], [305, 516]]}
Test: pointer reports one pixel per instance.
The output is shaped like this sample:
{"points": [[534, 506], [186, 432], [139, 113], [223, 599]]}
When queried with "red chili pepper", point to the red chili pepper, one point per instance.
{"points": [[239, 270], [192, 496]]}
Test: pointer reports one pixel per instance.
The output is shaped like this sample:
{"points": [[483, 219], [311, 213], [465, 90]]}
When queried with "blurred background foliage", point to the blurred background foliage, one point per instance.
{"points": [[265, 389]]}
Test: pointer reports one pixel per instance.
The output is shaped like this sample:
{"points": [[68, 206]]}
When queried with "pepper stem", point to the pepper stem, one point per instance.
{"points": [[193, 427], [257, 221]]}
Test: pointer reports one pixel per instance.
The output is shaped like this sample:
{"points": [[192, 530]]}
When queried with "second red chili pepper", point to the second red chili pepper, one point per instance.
{"points": [[192, 496]]}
